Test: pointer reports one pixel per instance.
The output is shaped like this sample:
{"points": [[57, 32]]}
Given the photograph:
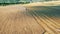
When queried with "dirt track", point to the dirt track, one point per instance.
{"points": [[30, 20]]}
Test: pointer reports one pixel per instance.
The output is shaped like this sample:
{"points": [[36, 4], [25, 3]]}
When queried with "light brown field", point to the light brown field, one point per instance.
{"points": [[25, 20]]}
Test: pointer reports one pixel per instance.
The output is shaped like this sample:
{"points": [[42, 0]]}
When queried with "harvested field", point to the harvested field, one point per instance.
{"points": [[30, 20]]}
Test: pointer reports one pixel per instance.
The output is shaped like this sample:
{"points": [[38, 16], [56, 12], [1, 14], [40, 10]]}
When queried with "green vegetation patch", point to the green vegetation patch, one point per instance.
{"points": [[4, 4]]}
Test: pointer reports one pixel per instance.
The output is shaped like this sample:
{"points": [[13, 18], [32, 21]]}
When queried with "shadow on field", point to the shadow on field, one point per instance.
{"points": [[51, 11]]}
